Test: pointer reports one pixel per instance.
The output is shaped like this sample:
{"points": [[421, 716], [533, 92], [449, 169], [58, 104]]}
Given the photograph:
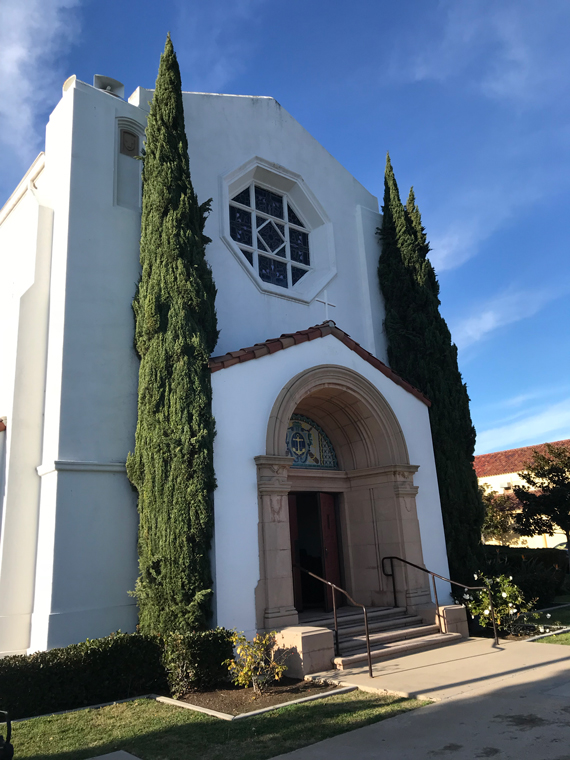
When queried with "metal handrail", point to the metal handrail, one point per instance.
{"points": [[356, 604], [441, 577]]}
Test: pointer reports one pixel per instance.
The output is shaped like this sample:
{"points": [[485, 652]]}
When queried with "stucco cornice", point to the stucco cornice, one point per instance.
{"points": [[69, 465]]}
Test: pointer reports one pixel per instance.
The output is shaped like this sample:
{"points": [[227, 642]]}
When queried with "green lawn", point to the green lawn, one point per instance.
{"points": [[562, 638], [154, 731], [556, 616]]}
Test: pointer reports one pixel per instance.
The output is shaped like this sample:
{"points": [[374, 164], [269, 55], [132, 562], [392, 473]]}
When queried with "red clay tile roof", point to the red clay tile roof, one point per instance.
{"points": [[302, 336], [511, 460]]}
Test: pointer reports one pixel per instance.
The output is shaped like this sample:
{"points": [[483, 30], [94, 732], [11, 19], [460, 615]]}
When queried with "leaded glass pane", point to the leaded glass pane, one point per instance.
{"points": [[273, 271], [240, 225], [292, 216], [268, 202], [309, 445], [244, 199], [297, 273], [299, 242], [271, 236], [248, 255]]}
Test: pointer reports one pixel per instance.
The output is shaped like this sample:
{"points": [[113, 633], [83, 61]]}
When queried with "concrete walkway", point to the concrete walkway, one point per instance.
{"points": [[509, 702]]}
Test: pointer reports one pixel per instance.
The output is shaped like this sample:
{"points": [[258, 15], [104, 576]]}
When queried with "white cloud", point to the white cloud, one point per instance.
{"points": [[32, 36], [507, 308], [551, 424], [456, 244], [215, 41], [512, 51]]}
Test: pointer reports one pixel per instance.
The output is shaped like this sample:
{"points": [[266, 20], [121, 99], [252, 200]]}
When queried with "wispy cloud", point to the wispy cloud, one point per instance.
{"points": [[505, 309], [33, 34], [512, 51], [215, 41], [550, 424]]}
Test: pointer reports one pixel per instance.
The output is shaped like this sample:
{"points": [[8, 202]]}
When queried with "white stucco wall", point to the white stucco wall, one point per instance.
{"points": [[25, 255], [244, 395], [79, 249]]}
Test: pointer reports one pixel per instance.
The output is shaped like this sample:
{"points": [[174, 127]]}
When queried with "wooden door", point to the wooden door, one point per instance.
{"points": [[331, 559], [295, 557]]}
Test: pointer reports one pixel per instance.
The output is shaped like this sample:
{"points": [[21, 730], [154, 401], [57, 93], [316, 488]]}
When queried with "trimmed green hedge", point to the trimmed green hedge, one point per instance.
{"points": [[116, 667], [539, 573]]}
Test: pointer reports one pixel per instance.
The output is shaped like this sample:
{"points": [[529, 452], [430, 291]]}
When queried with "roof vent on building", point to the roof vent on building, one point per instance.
{"points": [[112, 86], [69, 83]]}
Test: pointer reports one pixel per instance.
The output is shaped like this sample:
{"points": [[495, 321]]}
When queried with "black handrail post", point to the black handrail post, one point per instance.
{"points": [[492, 606], [336, 644], [436, 603], [447, 580], [342, 591], [367, 643], [393, 582]]}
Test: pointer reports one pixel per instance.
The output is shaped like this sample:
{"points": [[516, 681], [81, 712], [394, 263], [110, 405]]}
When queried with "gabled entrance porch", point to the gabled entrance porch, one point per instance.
{"points": [[369, 501]]}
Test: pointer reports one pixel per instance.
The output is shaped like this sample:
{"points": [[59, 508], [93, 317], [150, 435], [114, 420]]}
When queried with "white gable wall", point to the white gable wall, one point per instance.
{"points": [[225, 132]]}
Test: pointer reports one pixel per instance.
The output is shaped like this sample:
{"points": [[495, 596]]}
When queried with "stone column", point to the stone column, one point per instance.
{"points": [[275, 593]]}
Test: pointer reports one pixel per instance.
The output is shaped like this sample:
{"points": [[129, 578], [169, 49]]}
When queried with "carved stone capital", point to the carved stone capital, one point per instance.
{"points": [[273, 474]]}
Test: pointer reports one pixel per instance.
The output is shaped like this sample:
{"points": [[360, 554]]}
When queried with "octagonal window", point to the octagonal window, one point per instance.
{"points": [[279, 250]]}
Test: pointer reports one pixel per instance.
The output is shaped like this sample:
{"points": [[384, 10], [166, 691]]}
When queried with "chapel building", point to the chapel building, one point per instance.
{"points": [[323, 456]]}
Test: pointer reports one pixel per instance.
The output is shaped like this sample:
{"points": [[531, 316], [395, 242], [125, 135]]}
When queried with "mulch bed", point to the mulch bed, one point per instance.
{"points": [[234, 700]]}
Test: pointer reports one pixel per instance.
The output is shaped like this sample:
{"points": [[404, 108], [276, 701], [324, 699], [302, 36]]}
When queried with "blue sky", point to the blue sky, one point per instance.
{"points": [[471, 98]]}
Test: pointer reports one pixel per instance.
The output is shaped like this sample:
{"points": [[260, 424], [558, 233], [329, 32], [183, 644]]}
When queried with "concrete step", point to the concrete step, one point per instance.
{"points": [[358, 643], [352, 618], [397, 649], [375, 626]]}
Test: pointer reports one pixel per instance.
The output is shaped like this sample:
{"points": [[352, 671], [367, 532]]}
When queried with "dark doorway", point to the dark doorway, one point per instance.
{"points": [[314, 547]]}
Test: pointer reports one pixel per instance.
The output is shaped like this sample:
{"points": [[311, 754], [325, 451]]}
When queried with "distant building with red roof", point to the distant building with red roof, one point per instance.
{"points": [[500, 472]]}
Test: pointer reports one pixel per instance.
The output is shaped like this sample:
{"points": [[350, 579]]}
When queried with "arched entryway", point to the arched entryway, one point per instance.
{"points": [[373, 491]]}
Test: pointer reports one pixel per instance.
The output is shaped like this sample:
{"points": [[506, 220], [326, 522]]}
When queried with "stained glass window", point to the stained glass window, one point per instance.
{"points": [[292, 217], [299, 242], [279, 249], [271, 235], [273, 271], [243, 197], [240, 225], [248, 255], [309, 445], [268, 202], [297, 273]]}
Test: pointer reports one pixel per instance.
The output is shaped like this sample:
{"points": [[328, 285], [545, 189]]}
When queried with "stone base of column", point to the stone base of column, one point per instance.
{"points": [[280, 617], [417, 599]]}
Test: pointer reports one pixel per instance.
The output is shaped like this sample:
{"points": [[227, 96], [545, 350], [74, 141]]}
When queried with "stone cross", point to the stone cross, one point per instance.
{"points": [[326, 302]]}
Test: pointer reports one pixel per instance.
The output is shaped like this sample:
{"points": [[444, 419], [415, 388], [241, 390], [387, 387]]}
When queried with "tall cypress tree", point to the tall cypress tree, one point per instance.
{"points": [[175, 333], [421, 350]]}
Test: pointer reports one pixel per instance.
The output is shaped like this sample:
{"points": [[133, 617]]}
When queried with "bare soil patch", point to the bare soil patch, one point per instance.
{"points": [[234, 700]]}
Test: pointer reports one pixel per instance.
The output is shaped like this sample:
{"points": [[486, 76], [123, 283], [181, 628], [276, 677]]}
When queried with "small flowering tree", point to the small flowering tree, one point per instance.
{"points": [[256, 663], [508, 601]]}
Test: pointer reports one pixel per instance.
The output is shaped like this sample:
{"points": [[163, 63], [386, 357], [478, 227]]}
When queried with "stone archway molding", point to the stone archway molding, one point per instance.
{"points": [[345, 380]]}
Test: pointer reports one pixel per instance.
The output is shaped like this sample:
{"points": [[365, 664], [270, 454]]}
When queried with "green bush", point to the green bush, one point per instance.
{"points": [[539, 573], [196, 660], [508, 602], [116, 667], [100, 670]]}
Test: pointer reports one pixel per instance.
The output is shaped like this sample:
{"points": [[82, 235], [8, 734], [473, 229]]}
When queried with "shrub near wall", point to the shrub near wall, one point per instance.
{"points": [[103, 670], [540, 573]]}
